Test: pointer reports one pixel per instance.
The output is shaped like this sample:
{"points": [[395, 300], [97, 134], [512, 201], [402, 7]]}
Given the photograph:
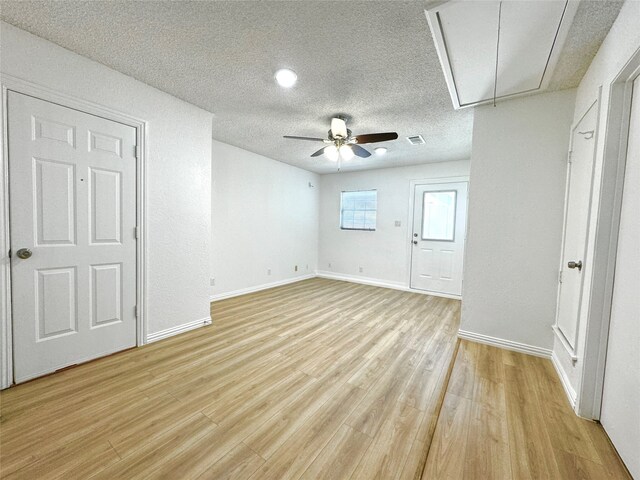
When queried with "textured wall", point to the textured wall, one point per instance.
{"points": [[518, 172], [384, 254], [264, 217]]}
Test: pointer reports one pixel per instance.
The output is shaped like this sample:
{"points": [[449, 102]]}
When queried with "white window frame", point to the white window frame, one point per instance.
{"points": [[342, 210]]}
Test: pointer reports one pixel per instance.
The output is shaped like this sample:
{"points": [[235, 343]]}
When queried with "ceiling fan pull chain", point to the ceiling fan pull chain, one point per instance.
{"points": [[495, 78]]}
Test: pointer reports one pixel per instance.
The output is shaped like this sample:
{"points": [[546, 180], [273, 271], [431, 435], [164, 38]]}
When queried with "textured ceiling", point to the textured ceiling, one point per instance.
{"points": [[583, 41], [373, 61]]}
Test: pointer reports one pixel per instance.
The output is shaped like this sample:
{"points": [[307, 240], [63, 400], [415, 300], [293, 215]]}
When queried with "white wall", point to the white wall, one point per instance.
{"points": [[616, 49], [178, 171], [518, 172], [384, 254], [264, 216]]}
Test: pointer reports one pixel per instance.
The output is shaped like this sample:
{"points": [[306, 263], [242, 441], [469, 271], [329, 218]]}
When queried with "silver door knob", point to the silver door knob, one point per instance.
{"points": [[577, 265], [24, 253]]}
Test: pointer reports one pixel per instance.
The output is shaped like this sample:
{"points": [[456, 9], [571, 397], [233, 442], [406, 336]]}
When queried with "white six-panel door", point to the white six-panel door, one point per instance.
{"points": [[72, 184], [439, 231]]}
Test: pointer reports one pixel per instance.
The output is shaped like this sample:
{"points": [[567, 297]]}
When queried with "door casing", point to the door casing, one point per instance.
{"points": [[604, 250], [11, 83]]}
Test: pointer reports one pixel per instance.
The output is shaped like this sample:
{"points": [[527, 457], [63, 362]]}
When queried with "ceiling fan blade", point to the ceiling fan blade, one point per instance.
{"points": [[376, 137], [318, 153], [359, 151], [312, 139], [338, 128]]}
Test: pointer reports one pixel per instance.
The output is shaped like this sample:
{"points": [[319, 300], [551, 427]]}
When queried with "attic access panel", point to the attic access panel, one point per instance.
{"points": [[526, 46]]}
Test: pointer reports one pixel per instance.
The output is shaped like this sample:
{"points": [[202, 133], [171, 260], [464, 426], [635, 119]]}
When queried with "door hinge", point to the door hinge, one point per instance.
{"points": [[135, 311], [570, 156], [560, 276], [9, 253], [136, 232], [136, 151]]}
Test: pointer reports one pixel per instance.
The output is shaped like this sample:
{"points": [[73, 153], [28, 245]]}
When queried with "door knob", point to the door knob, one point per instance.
{"points": [[415, 242], [24, 253], [577, 265]]}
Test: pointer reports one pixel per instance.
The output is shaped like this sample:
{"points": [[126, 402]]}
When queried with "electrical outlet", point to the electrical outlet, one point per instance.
{"points": [[307, 267], [360, 269], [295, 269], [212, 282], [268, 271], [398, 223], [329, 264]]}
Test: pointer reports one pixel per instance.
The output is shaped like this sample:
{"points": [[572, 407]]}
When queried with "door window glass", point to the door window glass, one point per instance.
{"points": [[439, 216]]}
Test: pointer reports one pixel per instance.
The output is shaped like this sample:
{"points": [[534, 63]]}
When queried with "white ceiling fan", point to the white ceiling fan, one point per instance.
{"points": [[342, 144]]}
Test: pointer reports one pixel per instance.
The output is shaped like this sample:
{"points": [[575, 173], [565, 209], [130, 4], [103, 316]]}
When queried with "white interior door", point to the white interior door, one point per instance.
{"points": [[620, 414], [439, 231], [580, 173], [72, 183]]}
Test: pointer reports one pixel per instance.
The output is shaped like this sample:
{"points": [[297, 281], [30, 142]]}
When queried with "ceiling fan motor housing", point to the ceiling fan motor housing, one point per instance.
{"points": [[336, 138]]}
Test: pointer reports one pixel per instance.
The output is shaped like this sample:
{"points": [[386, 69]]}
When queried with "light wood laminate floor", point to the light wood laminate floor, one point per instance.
{"points": [[506, 416], [318, 379]]}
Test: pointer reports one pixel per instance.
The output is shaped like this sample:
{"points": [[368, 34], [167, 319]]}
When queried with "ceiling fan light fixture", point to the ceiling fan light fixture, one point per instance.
{"points": [[339, 128], [381, 150], [346, 153], [286, 78], [331, 152]]}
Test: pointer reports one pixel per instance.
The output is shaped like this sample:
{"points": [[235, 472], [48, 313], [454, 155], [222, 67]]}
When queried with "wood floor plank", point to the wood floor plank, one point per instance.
{"points": [[268, 437], [391, 445], [317, 379], [239, 464], [266, 371], [487, 453], [151, 456], [448, 448], [518, 424], [300, 450], [64, 462], [534, 458], [340, 457]]}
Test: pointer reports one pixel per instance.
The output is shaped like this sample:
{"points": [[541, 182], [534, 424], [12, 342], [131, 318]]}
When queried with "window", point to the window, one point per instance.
{"points": [[358, 210], [439, 216]]}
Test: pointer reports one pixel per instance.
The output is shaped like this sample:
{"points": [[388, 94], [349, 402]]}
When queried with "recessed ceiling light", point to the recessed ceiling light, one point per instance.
{"points": [[286, 78], [381, 150]]}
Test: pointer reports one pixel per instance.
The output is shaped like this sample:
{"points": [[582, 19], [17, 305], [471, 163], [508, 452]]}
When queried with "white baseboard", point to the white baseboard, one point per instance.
{"points": [[380, 283], [506, 344], [257, 288], [564, 379], [363, 280], [185, 327]]}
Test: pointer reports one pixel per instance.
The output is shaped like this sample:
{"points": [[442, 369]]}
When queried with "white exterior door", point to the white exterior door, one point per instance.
{"points": [[620, 414], [439, 231], [580, 173], [72, 183]]}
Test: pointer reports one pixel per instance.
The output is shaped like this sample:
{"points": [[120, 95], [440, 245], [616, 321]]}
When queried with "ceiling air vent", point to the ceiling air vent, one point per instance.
{"points": [[416, 140]]}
